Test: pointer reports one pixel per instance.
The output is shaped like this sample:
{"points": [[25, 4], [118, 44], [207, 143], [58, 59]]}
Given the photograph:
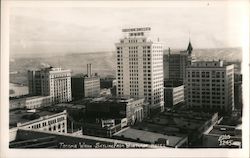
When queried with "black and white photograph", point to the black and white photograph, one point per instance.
{"points": [[124, 78]]}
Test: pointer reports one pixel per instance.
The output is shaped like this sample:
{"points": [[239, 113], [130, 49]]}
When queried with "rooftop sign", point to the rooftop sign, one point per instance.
{"points": [[137, 29]]}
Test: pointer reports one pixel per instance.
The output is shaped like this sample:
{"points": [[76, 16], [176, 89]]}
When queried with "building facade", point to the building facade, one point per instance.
{"points": [[175, 64], [140, 67], [107, 82], [31, 102], [86, 85], [238, 91], [104, 127], [118, 108], [54, 82], [210, 85], [55, 123], [173, 95]]}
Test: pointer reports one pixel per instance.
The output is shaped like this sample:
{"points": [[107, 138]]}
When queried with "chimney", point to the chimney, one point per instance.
{"points": [[90, 73], [88, 70]]}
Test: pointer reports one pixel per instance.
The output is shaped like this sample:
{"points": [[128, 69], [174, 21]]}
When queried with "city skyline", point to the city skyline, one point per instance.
{"points": [[37, 30], [115, 75]]}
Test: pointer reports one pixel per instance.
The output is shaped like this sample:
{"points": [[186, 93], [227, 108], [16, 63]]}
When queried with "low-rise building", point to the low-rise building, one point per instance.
{"points": [[223, 136], [104, 127], [28, 138], [130, 108], [30, 102], [172, 129], [39, 119], [149, 137]]}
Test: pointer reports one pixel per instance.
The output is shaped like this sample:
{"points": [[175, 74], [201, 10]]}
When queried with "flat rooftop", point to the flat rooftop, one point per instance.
{"points": [[148, 136], [30, 138], [23, 115], [226, 130], [189, 115], [178, 124], [86, 101], [111, 99], [28, 97], [86, 76], [70, 106]]}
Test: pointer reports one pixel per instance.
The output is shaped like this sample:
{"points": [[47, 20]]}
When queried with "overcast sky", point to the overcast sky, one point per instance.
{"points": [[90, 29]]}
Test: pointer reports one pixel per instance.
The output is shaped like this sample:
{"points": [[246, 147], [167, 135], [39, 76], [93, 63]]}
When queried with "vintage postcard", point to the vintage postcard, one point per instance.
{"points": [[124, 78]]}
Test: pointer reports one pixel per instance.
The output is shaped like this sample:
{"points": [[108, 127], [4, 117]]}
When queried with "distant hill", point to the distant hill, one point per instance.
{"points": [[103, 63], [228, 54]]}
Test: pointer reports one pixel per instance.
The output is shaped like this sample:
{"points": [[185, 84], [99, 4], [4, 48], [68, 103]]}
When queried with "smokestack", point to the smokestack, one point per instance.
{"points": [[90, 73], [88, 70], [168, 50]]}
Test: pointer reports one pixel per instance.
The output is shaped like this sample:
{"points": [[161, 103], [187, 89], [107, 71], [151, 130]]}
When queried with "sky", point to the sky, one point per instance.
{"points": [[82, 29]]}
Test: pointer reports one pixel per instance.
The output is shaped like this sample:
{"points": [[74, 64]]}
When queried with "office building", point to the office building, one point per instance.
{"points": [[54, 82], [210, 86], [86, 85], [173, 95], [140, 67], [175, 64]]}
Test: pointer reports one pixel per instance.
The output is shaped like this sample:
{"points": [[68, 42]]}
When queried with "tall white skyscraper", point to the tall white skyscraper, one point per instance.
{"points": [[54, 82], [140, 67]]}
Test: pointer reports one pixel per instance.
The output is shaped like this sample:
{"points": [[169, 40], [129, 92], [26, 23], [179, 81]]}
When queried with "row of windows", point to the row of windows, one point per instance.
{"points": [[134, 94], [133, 82], [147, 90], [43, 124], [198, 80], [207, 97], [208, 106], [38, 101], [149, 94], [146, 86], [133, 86], [206, 101], [146, 63]]}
